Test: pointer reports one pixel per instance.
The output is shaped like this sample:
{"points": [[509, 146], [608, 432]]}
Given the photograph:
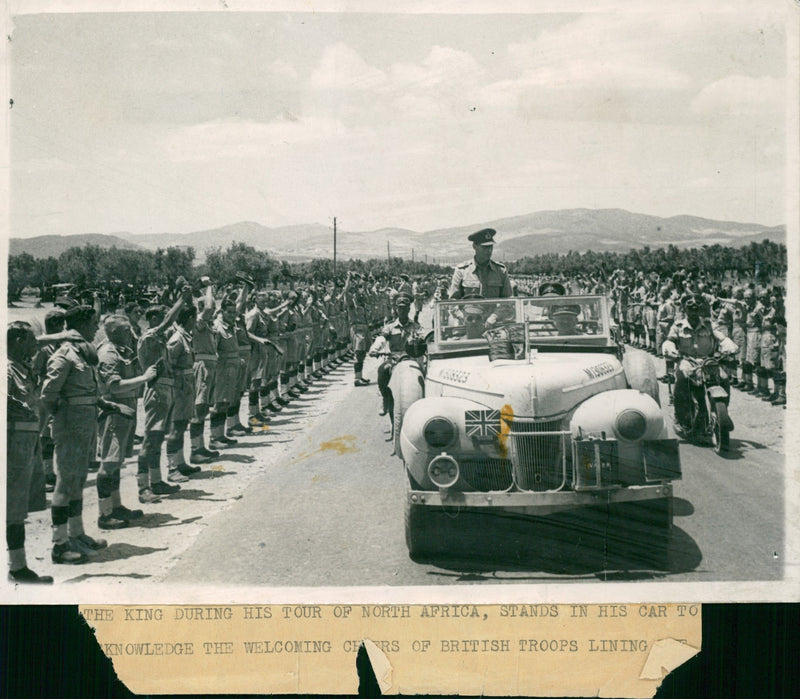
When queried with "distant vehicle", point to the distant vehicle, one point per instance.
{"points": [[522, 411], [56, 292]]}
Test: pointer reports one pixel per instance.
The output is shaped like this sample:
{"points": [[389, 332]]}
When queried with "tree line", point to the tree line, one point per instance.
{"points": [[764, 259], [93, 266]]}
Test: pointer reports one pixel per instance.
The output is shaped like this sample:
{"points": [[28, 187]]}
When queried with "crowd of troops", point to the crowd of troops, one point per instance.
{"points": [[184, 360]]}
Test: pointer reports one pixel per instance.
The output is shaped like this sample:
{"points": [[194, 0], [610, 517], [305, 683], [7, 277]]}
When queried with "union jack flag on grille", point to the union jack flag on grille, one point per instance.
{"points": [[483, 424]]}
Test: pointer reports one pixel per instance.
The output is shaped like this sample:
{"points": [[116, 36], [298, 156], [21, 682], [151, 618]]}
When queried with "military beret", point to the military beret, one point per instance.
{"points": [[53, 314], [79, 313], [153, 311], [567, 309], [405, 277], [485, 236], [403, 298], [246, 278], [552, 289], [115, 322]]}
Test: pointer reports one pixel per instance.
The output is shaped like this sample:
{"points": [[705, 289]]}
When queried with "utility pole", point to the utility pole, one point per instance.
{"points": [[334, 246], [388, 252], [412, 254]]}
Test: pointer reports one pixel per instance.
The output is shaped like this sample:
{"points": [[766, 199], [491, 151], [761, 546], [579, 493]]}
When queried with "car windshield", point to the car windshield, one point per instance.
{"points": [[548, 320]]}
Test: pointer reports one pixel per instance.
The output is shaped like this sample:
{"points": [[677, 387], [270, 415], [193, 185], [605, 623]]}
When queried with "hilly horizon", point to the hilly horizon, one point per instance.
{"points": [[556, 231]]}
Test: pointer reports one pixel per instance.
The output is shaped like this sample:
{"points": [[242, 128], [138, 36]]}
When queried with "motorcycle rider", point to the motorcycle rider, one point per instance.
{"points": [[693, 336]]}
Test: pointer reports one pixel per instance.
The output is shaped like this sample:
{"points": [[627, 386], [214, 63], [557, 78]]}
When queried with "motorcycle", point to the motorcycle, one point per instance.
{"points": [[709, 400]]}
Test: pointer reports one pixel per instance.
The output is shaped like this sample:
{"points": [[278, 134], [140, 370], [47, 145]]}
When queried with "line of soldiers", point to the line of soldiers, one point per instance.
{"points": [[73, 400]]}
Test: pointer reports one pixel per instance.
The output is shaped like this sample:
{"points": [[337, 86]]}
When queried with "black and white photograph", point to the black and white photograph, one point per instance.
{"points": [[481, 301]]}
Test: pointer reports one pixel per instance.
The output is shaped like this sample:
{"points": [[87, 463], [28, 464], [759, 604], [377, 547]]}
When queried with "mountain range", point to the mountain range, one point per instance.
{"points": [[530, 234]]}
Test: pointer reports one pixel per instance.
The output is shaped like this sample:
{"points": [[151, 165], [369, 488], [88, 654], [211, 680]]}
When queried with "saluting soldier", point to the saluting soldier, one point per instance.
{"points": [[180, 353], [204, 343], [118, 368], [158, 398]]}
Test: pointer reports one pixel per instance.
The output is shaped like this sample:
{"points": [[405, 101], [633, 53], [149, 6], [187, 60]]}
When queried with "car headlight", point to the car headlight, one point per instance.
{"points": [[443, 471], [631, 425], [439, 432]]}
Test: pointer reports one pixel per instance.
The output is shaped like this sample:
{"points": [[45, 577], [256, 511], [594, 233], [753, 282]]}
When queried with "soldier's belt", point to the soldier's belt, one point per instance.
{"points": [[244, 348], [165, 381], [80, 400], [185, 372], [205, 357], [18, 426], [229, 355]]}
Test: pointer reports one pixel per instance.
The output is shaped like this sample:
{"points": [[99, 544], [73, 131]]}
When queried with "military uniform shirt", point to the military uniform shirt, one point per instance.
{"points": [[700, 341], [489, 281], [21, 405]]}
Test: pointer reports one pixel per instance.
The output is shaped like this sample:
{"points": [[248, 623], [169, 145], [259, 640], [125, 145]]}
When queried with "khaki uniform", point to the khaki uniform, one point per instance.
{"points": [[22, 440], [489, 281]]}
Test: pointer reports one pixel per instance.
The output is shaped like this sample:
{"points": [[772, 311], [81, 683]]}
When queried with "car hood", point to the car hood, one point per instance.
{"points": [[550, 384]]}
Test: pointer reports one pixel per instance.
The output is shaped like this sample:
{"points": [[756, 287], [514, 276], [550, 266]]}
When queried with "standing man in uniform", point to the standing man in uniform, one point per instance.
{"points": [[481, 276], [70, 394], [22, 435], [158, 398]]}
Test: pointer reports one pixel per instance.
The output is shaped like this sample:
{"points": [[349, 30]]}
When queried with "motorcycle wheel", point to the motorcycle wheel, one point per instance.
{"points": [[720, 434]]}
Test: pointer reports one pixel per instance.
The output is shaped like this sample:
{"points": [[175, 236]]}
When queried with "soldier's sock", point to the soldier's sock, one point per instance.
{"points": [[105, 486], [196, 435], [252, 403], [60, 515], [217, 422], [116, 498], [75, 518], [15, 540], [172, 461]]}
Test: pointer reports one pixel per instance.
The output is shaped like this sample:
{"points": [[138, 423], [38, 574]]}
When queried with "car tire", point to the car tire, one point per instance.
{"points": [[642, 530], [407, 386], [420, 530], [640, 373]]}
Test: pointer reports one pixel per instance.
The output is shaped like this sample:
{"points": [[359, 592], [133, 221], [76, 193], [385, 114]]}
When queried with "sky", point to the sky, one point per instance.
{"points": [[176, 122]]}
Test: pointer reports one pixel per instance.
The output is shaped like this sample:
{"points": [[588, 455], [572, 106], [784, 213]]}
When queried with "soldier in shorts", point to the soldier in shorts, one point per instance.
{"points": [[22, 435], [204, 344], [70, 394], [158, 398], [118, 369], [359, 328], [180, 353]]}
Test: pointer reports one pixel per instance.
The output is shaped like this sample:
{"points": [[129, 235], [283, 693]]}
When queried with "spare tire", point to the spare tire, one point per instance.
{"points": [[640, 373], [408, 386]]}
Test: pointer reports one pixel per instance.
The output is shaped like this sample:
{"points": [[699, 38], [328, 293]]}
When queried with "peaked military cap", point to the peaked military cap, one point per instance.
{"points": [[566, 309], [485, 236], [403, 298], [552, 289]]}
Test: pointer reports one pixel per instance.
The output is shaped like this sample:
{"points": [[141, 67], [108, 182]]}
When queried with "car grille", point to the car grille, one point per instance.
{"points": [[487, 474], [539, 459]]}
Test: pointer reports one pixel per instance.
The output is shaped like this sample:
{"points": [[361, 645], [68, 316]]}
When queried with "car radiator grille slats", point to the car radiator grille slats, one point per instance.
{"points": [[539, 459]]}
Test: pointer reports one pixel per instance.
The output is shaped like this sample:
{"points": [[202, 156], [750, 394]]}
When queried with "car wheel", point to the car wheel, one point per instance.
{"points": [[641, 374], [642, 530], [420, 525]]}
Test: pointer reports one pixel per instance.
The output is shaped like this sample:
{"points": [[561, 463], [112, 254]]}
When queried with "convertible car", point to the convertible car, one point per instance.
{"points": [[530, 406]]}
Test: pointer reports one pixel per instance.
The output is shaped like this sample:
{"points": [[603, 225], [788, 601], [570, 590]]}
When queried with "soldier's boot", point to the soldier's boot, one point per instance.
{"points": [[174, 474], [119, 510], [18, 571], [284, 387], [780, 390], [157, 484], [360, 380], [146, 495]]}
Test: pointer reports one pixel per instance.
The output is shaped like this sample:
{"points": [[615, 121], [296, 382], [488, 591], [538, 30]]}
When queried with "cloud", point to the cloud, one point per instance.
{"points": [[342, 68], [240, 139], [442, 66], [739, 95]]}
